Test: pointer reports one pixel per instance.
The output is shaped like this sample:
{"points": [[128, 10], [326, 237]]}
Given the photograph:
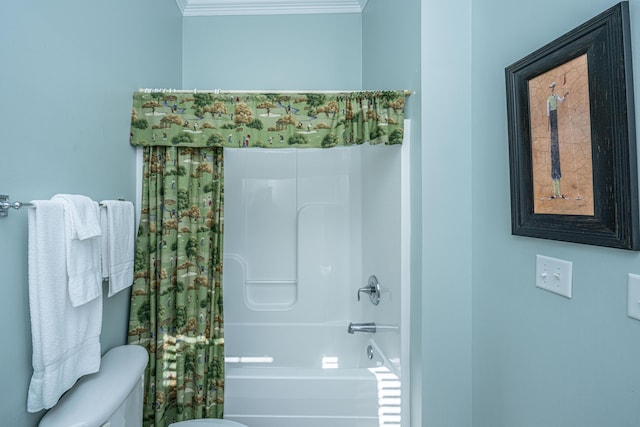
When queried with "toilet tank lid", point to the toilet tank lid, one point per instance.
{"points": [[94, 398]]}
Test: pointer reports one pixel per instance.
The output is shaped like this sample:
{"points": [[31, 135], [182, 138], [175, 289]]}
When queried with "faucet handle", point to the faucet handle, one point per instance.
{"points": [[373, 289]]}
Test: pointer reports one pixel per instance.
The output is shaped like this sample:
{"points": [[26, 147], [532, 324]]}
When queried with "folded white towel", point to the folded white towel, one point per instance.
{"points": [[118, 241], [66, 339], [82, 216]]}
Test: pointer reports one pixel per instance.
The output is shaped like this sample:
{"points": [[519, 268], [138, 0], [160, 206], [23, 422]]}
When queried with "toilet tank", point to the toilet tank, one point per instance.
{"points": [[112, 397]]}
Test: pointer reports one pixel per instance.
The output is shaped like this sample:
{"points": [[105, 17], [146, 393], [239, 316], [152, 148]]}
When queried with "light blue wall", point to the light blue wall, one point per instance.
{"points": [[66, 79], [446, 212], [540, 359], [391, 60], [485, 335], [314, 52]]}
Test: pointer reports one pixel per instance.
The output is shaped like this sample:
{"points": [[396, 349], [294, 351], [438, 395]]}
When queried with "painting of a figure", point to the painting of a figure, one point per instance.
{"points": [[561, 140], [572, 137]]}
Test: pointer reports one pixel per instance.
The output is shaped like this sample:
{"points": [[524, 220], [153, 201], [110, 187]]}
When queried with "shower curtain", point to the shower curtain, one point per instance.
{"points": [[176, 302]]}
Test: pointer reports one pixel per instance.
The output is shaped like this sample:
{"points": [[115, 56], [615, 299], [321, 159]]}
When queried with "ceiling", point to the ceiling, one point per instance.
{"points": [[268, 7]]}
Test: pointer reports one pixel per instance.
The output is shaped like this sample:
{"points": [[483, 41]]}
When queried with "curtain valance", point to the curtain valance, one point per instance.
{"points": [[267, 120]]}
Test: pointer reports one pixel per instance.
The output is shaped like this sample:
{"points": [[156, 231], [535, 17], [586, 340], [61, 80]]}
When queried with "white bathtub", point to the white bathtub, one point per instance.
{"points": [[324, 380]]}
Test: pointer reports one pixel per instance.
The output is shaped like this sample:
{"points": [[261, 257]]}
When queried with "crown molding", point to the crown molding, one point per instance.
{"points": [[268, 7]]}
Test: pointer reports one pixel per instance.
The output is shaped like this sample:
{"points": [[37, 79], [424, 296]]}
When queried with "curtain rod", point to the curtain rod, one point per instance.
{"points": [[218, 91]]}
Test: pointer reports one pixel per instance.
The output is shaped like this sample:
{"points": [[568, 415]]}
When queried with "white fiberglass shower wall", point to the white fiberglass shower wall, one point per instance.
{"points": [[304, 229]]}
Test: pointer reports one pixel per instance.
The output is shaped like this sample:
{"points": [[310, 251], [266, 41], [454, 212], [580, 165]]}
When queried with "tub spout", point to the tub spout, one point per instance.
{"points": [[361, 327]]}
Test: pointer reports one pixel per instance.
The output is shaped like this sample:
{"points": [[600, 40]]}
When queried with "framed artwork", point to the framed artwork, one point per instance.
{"points": [[572, 147]]}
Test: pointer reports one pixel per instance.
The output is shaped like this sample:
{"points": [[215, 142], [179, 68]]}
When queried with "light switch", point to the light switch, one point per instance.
{"points": [[633, 302], [554, 275]]}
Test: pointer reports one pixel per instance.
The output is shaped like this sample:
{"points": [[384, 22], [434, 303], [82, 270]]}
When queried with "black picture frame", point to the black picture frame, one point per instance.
{"points": [[596, 57]]}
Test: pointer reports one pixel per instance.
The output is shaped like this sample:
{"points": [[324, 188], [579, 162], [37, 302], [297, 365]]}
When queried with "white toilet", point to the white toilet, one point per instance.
{"points": [[111, 397]]}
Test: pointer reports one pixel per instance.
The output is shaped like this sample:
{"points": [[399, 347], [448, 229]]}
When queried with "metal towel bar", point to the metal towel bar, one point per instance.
{"points": [[5, 205]]}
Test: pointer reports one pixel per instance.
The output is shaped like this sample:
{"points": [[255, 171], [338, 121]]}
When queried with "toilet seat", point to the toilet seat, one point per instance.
{"points": [[208, 422]]}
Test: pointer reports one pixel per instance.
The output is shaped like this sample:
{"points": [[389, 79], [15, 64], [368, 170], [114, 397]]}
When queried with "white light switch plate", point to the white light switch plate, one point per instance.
{"points": [[554, 275], [633, 303]]}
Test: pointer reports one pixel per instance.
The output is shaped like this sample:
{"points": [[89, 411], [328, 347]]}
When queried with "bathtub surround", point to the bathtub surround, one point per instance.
{"points": [[304, 230], [176, 300]]}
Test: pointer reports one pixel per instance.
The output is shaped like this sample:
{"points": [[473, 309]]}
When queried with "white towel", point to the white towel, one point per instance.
{"points": [[66, 339], [118, 241], [82, 216]]}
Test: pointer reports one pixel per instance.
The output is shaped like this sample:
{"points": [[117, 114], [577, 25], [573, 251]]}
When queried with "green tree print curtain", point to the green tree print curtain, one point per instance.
{"points": [[268, 120], [177, 302]]}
